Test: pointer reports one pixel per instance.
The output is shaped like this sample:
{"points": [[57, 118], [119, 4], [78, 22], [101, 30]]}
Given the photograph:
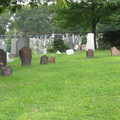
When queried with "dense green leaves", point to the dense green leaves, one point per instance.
{"points": [[85, 15], [112, 37], [37, 20]]}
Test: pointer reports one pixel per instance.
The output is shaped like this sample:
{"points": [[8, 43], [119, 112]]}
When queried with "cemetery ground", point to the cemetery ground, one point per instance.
{"points": [[74, 88]]}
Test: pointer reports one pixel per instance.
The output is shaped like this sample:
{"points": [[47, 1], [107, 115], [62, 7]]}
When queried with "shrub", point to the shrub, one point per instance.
{"points": [[50, 50], [59, 45], [112, 38]]}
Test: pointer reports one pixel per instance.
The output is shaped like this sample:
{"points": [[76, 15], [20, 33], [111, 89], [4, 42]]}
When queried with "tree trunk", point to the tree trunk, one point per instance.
{"points": [[94, 32]]}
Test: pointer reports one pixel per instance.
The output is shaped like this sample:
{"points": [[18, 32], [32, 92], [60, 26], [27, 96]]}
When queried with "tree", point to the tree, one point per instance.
{"points": [[85, 14], [37, 20], [14, 5], [4, 21]]}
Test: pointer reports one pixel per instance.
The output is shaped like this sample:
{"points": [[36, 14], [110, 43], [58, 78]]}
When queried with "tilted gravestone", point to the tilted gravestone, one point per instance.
{"points": [[115, 51], [70, 52], [44, 59], [90, 45], [25, 56], [52, 59]]}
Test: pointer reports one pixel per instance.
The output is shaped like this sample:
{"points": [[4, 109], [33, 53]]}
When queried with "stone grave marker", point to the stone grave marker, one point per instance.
{"points": [[3, 56], [13, 44], [52, 59], [44, 59], [7, 71], [17, 43], [25, 56], [22, 42], [90, 53], [115, 51], [70, 52], [83, 46], [90, 45]]}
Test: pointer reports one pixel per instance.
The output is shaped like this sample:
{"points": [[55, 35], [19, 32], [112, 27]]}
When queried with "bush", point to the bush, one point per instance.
{"points": [[50, 50], [59, 45], [112, 38]]}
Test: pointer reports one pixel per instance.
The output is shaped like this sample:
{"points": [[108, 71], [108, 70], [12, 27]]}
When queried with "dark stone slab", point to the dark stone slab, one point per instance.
{"points": [[90, 53], [44, 59], [3, 57], [26, 56]]}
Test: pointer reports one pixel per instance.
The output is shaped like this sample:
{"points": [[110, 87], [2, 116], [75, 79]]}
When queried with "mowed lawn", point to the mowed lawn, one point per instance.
{"points": [[74, 88]]}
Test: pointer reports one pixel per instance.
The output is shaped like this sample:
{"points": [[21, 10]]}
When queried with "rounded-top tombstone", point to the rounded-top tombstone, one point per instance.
{"points": [[25, 55]]}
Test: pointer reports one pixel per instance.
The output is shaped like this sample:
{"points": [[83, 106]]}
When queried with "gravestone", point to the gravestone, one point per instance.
{"points": [[90, 45], [17, 43], [3, 56], [2, 44], [52, 59], [115, 51], [8, 58], [13, 44], [44, 59], [70, 52], [83, 46], [25, 56], [7, 71], [22, 42], [90, 53]]}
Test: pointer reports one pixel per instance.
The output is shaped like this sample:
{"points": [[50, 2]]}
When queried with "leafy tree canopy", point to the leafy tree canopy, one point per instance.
{"points": [[14, 5], [84, 15]]}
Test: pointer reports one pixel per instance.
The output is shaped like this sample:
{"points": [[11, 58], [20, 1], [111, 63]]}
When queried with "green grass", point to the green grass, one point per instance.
{"points": [[74, 88]]}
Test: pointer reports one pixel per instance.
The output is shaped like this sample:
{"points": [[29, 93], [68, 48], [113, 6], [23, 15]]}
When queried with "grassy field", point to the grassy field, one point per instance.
{"points": [[74, 88]]}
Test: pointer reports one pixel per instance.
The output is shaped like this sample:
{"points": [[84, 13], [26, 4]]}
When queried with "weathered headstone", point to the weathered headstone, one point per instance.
{"points": [[25, 56], [7, 71], [3, 56], [90, 45], [22, 42], [115, 51], [17, 43], [57, 36], [52, 59], [44, 59], [13, 44], [83, 46], [90, 53], [70, 52]]}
